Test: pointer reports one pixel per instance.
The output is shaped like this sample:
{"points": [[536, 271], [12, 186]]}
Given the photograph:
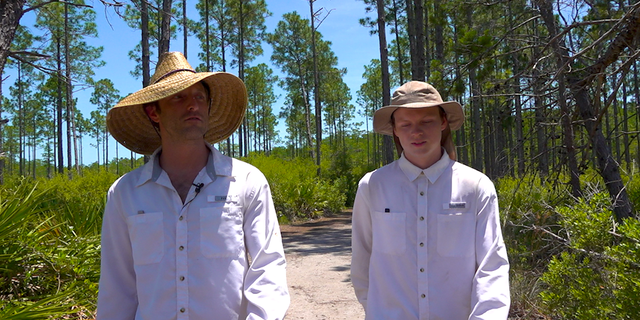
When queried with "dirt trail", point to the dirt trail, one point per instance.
{"points": [[318, 262]]}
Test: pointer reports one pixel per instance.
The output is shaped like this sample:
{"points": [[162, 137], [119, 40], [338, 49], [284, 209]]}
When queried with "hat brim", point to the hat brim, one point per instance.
{"points": [[382, 117], [128, 123]]}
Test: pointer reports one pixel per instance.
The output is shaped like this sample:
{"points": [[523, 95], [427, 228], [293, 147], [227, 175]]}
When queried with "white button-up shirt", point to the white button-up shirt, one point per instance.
{"points": [[427, 244], [219, 255]]}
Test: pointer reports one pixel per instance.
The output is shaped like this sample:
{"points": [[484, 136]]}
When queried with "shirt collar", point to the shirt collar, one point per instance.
{"points": [[151, 171], [432, 173]]}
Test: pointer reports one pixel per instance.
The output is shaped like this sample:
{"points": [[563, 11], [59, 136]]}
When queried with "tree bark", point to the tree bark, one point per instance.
{"points": [[146, 72], [59, 106], [165, 31], [184, 26], [316, 88], [419, 29], [242, 140], [386, 86], [399, 49], [438, 29], [9, 19]]}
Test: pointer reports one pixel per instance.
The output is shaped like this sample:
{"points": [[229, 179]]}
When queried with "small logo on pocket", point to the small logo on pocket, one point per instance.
{"points": [[457, 205], [225, 198]]}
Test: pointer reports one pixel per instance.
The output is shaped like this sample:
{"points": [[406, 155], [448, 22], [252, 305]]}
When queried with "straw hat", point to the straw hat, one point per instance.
{"points": [[418, 94], [128, 123]]}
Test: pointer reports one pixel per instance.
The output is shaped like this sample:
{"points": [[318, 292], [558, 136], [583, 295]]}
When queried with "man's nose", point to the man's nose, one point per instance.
{"points": [[195, 103]]}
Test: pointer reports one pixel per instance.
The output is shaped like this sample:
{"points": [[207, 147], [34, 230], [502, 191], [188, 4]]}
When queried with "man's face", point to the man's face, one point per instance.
{"points": [[419, 131], [184, 115]]}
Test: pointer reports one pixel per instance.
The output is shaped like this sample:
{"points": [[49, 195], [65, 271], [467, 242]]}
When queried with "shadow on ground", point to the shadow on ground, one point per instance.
{"points": [[330, 235]]}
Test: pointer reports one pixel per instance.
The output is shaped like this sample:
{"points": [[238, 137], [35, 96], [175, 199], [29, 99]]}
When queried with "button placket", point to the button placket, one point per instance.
{"points": [[182, 254], [422, 251]]}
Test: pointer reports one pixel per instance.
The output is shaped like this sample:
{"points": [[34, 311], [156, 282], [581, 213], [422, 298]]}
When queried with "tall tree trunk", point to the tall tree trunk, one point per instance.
{"points": [[636, 92], [538, 148], [428, 54], [476, 122], [207, 38], [184, 26], [411, 32], [387, 147], [316, 87], [439, 30], [9, 20], [2, 123], [399, 55], [615, 135], [418, 7], [59, 106], [567, 127], [72, 142], [243, 127], [519, 125], [165, 31], [21, 118], [625, 127], [146, 72], [476, 117]]}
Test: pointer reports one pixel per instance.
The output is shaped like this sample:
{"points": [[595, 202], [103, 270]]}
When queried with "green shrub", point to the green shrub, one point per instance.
{"points": [[50, 245], [297, 192], [598, 274], [45, 270]]}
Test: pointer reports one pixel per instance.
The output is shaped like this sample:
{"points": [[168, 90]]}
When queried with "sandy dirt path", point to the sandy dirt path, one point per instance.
{"points": [[318, 261]]}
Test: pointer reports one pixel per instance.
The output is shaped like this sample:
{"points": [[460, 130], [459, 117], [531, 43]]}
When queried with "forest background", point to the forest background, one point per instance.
{"points": [[550, 91]]}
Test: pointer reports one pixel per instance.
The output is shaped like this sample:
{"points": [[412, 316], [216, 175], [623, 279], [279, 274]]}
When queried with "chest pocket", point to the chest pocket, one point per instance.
{"points": [[456, 233], [147, 237], [389, 232], [221, 232]]}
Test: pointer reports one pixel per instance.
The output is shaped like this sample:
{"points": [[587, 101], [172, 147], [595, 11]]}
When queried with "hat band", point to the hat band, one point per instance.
{"points": [[172, 72]]}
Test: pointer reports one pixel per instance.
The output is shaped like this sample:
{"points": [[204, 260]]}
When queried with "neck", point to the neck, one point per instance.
{"points": [[183, 161], [426, 161]]}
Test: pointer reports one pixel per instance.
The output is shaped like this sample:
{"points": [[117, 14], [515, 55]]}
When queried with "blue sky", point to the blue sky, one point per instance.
{"points": [[351, 43]]}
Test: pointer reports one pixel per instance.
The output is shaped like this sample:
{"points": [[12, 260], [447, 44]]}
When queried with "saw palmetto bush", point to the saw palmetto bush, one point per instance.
{"points": [[50, 246]]}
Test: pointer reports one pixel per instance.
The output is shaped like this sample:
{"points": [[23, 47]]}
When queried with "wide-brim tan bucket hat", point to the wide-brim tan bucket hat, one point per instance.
{"points": [[418, 94], [129, 124]]}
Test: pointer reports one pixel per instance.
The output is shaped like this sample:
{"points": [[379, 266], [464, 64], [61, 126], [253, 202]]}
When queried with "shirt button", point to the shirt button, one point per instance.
{"points": [[181, 278], [421, 269], [423, 296], [181, 217], [422, 244], [181, 248], [182, 309], [421, 218], [422, 193]]}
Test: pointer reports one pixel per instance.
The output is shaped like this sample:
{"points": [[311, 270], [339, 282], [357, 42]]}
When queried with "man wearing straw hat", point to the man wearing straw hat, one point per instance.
{"points": [[192, 234], [426, 234]]}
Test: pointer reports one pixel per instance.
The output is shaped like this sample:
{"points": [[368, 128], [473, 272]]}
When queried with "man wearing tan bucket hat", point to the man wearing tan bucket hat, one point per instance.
{"points": [[426, 241], [192, 234]]}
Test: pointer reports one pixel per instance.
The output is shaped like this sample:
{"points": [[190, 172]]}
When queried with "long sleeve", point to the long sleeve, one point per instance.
{"points": [[265, 285], [490, 293], [361, 242], [117, 298]]}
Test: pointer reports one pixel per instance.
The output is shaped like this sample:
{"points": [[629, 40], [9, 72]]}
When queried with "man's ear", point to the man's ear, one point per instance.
{"points": [[151, 109], [445, 123]]}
